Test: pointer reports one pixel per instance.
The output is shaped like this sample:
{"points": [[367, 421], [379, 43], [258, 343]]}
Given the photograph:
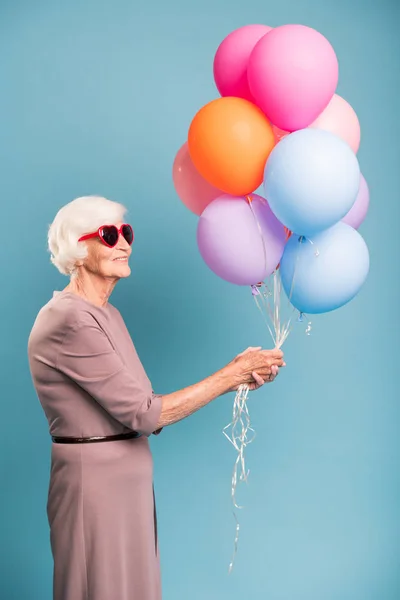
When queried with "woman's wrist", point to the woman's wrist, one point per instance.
{"points": [[183, 403], [228, 379]]}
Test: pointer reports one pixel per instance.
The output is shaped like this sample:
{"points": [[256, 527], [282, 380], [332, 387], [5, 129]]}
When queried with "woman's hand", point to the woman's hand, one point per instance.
{"points": [[255, 366]]}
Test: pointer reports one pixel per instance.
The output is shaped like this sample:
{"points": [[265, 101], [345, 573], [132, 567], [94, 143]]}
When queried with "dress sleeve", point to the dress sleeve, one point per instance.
{"points": [[88, 358]]}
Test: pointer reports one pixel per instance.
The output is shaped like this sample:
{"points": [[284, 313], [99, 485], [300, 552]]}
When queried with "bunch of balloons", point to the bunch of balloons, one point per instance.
{"points": [[278, 123]]}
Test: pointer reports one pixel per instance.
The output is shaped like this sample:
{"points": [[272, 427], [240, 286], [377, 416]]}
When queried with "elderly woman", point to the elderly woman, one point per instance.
{"points": [[101, 410]]}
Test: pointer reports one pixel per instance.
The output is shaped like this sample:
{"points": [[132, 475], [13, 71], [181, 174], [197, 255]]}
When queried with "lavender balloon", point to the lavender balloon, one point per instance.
{"points": [[230, 237], [358, 211]]}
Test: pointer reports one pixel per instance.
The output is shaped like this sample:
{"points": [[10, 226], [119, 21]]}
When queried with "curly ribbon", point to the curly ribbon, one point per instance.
{"points": [[240, 427], [239, 438]]}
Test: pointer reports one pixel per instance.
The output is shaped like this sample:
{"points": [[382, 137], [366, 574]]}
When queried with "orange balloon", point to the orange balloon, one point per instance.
{"points": [[229, 142]]}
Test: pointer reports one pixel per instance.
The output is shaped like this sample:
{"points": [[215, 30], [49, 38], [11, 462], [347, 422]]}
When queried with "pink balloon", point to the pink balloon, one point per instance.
{"points": [[293, 73], [340, 118], [194, 191], [358, 211], [231, 58]]}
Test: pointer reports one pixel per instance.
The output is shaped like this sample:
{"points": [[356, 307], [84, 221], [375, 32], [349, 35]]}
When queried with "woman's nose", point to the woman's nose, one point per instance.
{"points": [[122, 243]]}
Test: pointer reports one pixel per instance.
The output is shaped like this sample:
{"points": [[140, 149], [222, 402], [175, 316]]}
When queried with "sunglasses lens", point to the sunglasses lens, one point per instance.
{"points": [[110, 235], [127, 232]]}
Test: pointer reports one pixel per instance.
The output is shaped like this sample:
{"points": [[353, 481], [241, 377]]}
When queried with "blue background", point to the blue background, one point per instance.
{"points": [[97, 97]]}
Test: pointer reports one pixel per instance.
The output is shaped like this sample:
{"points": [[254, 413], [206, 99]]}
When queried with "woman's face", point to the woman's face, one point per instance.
{"points": [[110, 263]]}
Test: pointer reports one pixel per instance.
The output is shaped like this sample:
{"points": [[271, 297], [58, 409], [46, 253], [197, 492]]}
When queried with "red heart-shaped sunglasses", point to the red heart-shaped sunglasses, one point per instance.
{"points": [[109, 234]]}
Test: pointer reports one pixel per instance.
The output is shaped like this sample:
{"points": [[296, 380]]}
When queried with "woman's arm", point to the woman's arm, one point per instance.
{"points": [[242, 370], [87, 357]]}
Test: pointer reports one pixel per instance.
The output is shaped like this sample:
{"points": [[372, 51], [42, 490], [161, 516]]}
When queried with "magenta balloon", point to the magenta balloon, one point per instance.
{"points": [[232, 57], [292, 74], [231, 243], [358, 211]]}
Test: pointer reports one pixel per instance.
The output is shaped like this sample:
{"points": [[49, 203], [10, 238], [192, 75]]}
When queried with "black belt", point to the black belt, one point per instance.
{"points": [[97, 438]]}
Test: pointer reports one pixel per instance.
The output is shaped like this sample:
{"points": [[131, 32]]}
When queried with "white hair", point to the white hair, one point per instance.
{"points": [[77, 218]]}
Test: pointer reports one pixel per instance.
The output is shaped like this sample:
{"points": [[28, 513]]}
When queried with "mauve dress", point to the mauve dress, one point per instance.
{"points": [[101, 508]]}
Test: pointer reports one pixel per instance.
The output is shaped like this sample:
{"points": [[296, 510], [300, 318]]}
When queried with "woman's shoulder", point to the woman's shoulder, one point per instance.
{"points": [[64, 313]]}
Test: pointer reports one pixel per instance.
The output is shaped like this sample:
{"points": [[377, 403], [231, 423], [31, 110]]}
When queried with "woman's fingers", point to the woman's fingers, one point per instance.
{"points": [[257, 366], [258, 379], [274, 358], [267, 379], [250, 349], [275, 353]]}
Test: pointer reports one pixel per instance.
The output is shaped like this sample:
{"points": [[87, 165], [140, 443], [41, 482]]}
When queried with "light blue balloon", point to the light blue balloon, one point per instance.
{"points": [[311, 180], [323, 273]]}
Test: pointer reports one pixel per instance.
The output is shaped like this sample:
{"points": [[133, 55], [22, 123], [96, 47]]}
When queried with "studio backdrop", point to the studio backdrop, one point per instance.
{"points": [[96, 98]]}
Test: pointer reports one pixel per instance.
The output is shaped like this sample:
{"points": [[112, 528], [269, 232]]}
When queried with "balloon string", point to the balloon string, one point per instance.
{"points": [[240, 424], [239, 438], [278, 330], [240, 429]]}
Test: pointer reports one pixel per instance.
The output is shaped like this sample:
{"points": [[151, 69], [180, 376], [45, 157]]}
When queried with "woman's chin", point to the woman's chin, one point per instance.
{"points": [[121, 271], [126, 271]]}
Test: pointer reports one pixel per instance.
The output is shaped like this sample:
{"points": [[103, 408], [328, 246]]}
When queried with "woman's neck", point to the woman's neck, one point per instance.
{"points": [[96, 290]]}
